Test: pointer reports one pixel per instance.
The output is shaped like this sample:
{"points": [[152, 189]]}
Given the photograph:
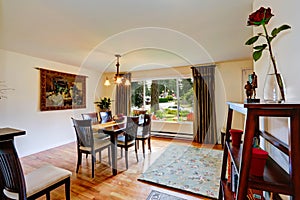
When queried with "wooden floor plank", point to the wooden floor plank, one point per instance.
{"points": [[106, 186]]}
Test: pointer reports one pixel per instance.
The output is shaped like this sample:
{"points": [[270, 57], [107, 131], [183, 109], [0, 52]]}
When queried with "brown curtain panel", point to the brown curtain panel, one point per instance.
{"points": [[122, 102], [205, 130]]}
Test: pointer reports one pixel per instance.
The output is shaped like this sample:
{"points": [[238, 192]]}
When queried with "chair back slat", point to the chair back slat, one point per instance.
{"points": [[92, 116], [84, 132], [147, 125], [11, 169], [132, 126]]}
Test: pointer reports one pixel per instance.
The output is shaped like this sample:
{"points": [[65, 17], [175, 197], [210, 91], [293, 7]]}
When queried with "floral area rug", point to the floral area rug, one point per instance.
{"points": [[187, 168], [156, 195]]}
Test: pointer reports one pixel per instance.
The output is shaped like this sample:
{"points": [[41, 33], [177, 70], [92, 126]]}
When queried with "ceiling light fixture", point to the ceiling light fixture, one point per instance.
{"points": [[107, 83], [119, 77]]}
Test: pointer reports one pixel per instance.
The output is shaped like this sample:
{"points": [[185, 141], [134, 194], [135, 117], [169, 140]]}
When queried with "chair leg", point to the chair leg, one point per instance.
{"points": [[149, 144], [100, 157], [143, 146], [126, 157], [135, 148], [79, 159], [93, 165], [121, 152], [68, 188], [48, 195]]}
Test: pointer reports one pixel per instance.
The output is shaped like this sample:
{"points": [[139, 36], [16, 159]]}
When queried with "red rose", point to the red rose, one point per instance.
{"points": [[260, 16]]}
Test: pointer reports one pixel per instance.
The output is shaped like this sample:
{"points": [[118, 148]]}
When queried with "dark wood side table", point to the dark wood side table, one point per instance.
{"points": [[8, 134], [274, 179]]}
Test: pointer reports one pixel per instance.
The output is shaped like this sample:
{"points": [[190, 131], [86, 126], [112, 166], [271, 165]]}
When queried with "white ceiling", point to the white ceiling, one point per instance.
{"points": [[148, 34]]}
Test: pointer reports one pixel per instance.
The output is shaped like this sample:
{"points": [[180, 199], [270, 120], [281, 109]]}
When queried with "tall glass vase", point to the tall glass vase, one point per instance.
{"points": [[274, 87]]}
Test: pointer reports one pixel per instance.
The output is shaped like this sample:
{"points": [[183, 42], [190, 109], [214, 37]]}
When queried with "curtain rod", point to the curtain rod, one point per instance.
{"points": [[38, 68], [211, 65]]}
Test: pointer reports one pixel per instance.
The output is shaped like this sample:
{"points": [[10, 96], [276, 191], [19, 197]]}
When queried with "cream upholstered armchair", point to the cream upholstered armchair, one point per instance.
{"points": [[33, 185]]}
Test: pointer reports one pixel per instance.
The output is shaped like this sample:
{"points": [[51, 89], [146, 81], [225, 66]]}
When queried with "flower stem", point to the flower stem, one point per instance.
{"points": [[278, 78], [270, 49]]}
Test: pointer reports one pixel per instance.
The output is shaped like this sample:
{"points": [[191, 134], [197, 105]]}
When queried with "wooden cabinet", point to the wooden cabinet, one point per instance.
{"points": [[275, 179]]}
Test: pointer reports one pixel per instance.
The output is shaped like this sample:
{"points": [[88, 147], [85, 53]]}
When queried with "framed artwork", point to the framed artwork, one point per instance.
{"points": [[61, 91]]}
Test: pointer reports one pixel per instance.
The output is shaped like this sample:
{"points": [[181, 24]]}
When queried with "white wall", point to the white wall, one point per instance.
{"points": [[20, 109], [232, 75]]}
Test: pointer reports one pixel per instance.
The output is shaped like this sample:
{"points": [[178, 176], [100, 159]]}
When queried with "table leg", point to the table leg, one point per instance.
{"points": [[113, 139]]}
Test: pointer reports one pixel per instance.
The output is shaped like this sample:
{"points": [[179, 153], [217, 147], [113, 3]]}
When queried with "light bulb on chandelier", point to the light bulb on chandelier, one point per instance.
{"points": [[118, 79], [106, 83]]}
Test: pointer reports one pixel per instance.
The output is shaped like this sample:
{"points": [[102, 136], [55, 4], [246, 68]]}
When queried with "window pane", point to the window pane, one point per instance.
{"points": [[186, 100], [164, 95], [137, 95], [167, 100]]}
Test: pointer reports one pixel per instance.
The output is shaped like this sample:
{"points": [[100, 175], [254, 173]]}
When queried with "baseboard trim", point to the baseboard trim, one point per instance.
{"points": [[171, 135]]}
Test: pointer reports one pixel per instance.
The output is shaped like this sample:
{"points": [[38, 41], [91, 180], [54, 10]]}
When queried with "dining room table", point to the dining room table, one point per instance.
{"points": [[113, 129]]}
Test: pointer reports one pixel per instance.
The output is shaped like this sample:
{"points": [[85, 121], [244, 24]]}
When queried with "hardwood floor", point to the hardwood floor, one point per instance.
{"points": [[106, 186]]}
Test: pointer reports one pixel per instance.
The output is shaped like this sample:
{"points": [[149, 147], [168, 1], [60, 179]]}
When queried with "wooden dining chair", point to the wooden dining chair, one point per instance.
{"points": [[127, 139], [105, 116], [93, 116], [87, 144], [33, 185], [144, 133]]}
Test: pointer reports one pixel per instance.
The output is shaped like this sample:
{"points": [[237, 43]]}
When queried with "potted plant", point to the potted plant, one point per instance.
{"points": [[104, 104]]}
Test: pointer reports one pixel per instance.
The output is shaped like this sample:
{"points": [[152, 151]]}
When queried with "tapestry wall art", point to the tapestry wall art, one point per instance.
{"points": [[59, 91]]}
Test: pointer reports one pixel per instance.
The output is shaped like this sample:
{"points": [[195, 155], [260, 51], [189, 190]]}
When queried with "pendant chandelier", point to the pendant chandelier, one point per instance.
{"points": [[120, 78]]}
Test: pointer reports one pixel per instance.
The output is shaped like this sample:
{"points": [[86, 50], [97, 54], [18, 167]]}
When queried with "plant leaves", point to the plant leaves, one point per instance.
{"points": [[260, 47], [284, 27], [256, 55], [275, 31], [252, 40], [104, 103]]}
